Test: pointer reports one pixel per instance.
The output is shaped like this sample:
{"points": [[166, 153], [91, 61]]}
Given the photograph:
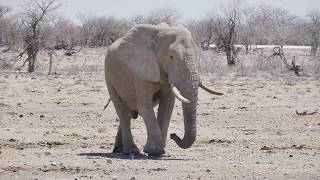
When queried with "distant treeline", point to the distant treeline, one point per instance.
{"points": [[235, 22]]}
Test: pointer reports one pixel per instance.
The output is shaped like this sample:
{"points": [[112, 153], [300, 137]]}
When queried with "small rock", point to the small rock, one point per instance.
{"points": [[208, 170], [53, 163], [76, 178], [114, 177], [42, 116], [109, 161], [12, 140], [290, 155], [265, 148], [20, 116], [133, 178]]}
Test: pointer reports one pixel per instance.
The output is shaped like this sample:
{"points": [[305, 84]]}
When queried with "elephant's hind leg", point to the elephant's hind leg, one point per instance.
{"points": [[118, 144], [124, 140]]}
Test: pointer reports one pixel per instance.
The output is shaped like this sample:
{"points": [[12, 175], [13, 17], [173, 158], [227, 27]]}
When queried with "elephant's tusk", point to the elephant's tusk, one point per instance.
{"points": [[178, 95], [204, 87]]}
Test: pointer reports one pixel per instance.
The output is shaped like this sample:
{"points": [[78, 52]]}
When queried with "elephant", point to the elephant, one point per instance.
{"points": [[152, 65]]}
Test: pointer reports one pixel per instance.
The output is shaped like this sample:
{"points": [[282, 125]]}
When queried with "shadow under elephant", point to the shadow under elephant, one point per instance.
{"points": [[165, 157]]}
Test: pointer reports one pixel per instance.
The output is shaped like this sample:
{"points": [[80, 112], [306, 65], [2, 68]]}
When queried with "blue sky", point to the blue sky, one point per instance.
{"points": [[187, 8]]}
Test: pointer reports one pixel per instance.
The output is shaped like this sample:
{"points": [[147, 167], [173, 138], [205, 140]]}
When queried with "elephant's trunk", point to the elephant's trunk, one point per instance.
{"points": [[190, 91]]}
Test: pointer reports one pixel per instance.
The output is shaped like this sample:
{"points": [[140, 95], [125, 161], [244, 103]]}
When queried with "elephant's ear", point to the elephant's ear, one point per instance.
{"points": [[137, 52]]}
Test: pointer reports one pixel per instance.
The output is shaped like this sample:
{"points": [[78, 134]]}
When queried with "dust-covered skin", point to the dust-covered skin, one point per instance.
{"points": [[54, 127], [148, 67]]}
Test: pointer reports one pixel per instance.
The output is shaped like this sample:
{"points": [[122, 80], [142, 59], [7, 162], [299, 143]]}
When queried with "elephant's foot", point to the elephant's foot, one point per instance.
{"points": [[131, 149], [153, 149], [117, 148], [164, 141]]}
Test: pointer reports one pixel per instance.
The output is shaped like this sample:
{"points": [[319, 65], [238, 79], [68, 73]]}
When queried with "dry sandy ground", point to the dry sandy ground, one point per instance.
{"points": [[54, 127]]}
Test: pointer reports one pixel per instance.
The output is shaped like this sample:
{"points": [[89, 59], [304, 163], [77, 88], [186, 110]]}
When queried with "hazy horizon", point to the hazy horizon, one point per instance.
{"points": [[187, 9]]}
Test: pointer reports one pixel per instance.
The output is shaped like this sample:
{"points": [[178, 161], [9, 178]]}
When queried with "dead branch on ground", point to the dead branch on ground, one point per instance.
{"points": [[306, 113], [278, 52]]}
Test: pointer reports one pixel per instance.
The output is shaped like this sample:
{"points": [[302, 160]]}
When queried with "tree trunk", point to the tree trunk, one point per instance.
{"points": [[247, 48], [314, 48], [50, 65], [230, 57], [31, 63], [32, 48], [314, 44]]}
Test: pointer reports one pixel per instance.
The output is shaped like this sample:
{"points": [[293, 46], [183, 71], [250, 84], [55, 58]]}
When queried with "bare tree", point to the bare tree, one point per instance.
{"points": [[201, 31], [208, 31], [4, 10], [101, 30], [65, 34], [167, 15], [314, 16], [35, 12], [246, 30], [225, 30], [86, 28], [273, 25], [3, 22], [50, 52]]}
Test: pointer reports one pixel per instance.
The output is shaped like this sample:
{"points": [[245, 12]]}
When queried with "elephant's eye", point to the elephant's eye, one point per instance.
{"points": [[171, 58]]}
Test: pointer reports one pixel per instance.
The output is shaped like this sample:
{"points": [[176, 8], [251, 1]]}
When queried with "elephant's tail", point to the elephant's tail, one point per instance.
{"points": [[105, 107]]}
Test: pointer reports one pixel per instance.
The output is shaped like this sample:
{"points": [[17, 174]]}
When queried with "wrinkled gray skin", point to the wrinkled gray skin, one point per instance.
{"points": [[139, 69]]}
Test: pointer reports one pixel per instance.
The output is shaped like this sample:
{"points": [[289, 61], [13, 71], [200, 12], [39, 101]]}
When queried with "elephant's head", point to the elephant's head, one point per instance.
{"points": [[164, 54]]}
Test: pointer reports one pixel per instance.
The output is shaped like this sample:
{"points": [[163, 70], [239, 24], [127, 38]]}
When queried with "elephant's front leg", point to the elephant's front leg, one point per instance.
{"points": [[166, 104], [154, 145]]}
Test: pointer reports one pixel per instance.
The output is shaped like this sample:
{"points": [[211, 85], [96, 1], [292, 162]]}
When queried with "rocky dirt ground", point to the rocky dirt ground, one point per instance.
{"points": [[54, 127]]}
